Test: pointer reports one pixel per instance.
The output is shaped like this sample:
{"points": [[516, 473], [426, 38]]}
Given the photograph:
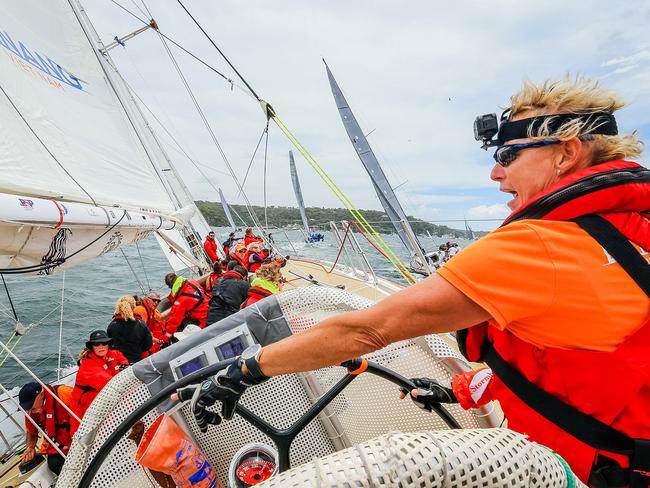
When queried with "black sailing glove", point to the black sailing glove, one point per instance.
{"points": [[430, 392], [227, 387]]}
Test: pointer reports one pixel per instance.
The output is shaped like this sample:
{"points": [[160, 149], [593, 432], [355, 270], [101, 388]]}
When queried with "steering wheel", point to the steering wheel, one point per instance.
{"points": [[281, 437]]}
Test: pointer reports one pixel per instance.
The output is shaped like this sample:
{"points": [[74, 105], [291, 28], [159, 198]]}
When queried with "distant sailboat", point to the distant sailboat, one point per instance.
{"points": [[469, 231], [382, 187], [310, 236], [226, 210]]}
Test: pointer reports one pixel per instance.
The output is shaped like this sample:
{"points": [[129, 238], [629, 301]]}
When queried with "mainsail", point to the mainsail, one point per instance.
{"points": [[298, 192], [226, 210], [380, 183], [81, 173]]}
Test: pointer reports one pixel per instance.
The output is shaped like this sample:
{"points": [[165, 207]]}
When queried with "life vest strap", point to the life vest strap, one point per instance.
{"points": [[617, 245], [580, 425]]}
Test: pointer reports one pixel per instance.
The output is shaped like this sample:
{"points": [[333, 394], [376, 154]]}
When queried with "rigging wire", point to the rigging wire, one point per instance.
{"points": [[264, 131], [392, 257], [213, 136], [266, 150], [144, 268], [270, 113], [211, 68], [174, 139], [220, 52], [13, 309], [58, 369], [135, 275]]}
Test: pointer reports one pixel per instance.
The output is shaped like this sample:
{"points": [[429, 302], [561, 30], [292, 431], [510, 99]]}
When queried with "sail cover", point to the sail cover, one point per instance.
{"points": [[298, 192], [382, 187], [65, 134], [226, 210]]}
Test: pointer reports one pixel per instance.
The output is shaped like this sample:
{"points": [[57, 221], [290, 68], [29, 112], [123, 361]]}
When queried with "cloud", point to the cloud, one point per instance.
{"points": [[633, 59], [494, 211]]}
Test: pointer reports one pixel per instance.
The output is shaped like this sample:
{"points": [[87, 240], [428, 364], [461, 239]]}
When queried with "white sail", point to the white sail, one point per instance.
{"points": [[65, 134], [73, 133]]}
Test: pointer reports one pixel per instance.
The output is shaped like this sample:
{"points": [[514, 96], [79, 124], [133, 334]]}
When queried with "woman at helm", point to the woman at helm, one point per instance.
{"points": [[556, 300]]}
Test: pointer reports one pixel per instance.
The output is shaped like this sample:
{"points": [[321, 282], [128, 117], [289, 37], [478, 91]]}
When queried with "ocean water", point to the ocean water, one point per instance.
{"points": [[92, 289]]}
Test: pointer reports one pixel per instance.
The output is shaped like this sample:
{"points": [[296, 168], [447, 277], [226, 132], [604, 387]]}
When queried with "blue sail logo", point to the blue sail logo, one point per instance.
{"points": [[42, 63]]}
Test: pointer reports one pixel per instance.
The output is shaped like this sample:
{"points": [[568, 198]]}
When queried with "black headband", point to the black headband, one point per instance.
{"points": [[519, 128]]}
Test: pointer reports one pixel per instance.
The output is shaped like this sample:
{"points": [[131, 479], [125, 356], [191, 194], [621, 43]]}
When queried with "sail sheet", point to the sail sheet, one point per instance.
{"points": [[226, 210], [65, 134], [298, 192], [382, 187]]}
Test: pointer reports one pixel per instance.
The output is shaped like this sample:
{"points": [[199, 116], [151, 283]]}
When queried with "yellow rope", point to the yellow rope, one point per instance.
{"points": [[369, 229], [17, 341]]}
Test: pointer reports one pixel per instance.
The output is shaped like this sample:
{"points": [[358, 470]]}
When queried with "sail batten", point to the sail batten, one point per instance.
{"points": [[298, 193], [382, 187]]}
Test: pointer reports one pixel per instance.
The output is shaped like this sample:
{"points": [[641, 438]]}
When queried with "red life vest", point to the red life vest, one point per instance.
{"points": [[241, 259], [611, 387], [255, 294], [190, 302], [54, 419]]}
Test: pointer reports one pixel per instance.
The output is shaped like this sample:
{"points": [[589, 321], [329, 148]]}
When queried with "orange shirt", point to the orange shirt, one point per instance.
{"points": [[142, 312], [550, 284]]}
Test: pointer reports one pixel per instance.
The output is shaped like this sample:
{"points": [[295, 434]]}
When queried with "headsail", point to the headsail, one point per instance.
{"points": [[73, 136], [226, 210], [380, 183], [298, 192]]}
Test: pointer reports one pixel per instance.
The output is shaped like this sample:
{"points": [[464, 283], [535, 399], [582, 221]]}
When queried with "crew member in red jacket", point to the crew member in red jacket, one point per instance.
{"points": [[210, 246], [250, 237], [190, 304], [98, 363], [239, 255], [52, 417]]}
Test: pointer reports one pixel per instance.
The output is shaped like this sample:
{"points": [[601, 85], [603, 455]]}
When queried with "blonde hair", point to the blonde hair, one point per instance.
{"points": [[124, 307], [270, 272], [84, 353], [579, 95]]}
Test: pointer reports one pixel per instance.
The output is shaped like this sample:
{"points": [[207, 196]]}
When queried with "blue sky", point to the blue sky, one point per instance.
{"points": [[416, 74]]}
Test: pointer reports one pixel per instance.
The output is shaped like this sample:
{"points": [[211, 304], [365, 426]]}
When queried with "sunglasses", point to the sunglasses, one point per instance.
{"points": [[241, 251], [101, 343], [506, 154]]}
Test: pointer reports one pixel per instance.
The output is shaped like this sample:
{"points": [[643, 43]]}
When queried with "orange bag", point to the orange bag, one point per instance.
{"points": [[166, 448]]}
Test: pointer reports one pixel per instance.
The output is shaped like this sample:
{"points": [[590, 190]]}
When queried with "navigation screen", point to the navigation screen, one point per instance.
{"points": [[232, 348], [191, 366]]}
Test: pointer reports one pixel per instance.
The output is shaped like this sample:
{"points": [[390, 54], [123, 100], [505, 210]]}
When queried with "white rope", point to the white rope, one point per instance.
{"points": [[58, 370]]}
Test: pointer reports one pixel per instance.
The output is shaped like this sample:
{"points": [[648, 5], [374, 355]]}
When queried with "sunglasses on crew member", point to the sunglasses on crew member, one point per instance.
{"points": [[101, 343], [506, 154], [241, 251]]}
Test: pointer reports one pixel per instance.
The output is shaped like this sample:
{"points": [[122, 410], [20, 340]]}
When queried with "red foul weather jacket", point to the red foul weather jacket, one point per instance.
{"points": [[93, 374]]}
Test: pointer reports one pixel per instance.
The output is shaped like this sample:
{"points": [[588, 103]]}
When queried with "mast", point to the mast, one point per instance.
{"points": [[298, 192], [196, 226], [226, 210], [380, 183]]}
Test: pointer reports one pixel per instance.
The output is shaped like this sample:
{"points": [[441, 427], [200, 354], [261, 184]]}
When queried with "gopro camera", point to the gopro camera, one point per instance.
{"points": [[485, 128]]}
